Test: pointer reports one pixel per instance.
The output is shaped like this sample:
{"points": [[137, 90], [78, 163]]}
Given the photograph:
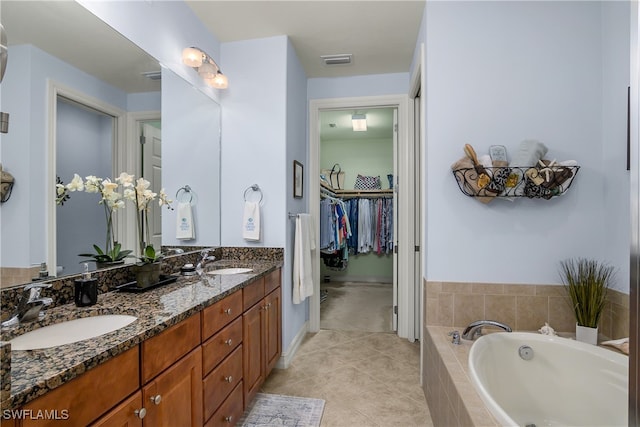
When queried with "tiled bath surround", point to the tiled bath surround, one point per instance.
{"points": [[452, 398], [523, 307]]}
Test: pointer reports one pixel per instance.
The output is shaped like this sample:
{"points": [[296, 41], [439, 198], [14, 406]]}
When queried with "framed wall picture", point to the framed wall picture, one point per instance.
{"points": [[298, 179]]}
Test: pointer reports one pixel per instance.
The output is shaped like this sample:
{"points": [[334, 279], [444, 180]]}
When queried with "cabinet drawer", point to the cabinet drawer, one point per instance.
{"points": [[252, 293], [271, 281], [161, 351], [220, 345], [124, 415], [219, 314], [230, 411], [90, 395], [221, 381]]}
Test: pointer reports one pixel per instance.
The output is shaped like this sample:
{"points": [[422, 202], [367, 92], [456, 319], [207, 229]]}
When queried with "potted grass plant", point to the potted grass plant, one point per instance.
{"points": [[586, 282]]}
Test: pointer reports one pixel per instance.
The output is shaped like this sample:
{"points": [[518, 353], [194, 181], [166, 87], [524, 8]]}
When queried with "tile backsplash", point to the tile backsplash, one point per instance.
{"points": [[523, 307], [62, 290]]}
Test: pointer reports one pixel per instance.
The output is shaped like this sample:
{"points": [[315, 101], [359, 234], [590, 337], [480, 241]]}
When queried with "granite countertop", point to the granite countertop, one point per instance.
{"points": [[34, 372]]}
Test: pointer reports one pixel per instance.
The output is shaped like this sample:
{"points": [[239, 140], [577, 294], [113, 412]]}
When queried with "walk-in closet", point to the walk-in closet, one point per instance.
{"points": [[357, 219]]}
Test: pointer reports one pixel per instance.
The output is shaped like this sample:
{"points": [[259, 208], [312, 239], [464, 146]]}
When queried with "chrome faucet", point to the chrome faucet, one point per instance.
{"points": [[474, 330], [204, 258], [30, 304], [176, 251]]}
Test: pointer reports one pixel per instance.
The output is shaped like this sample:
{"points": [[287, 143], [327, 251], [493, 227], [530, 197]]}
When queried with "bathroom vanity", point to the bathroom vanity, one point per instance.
{"points": [[196, 355]]}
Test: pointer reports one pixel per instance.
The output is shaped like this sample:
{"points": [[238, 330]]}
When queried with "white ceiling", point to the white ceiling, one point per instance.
{"points": [[68, 31], [379, 124], [381, 35]]}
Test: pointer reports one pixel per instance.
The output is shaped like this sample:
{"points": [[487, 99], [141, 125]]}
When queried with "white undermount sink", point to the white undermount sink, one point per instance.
{"points": [[234, 270], [70, 331]]}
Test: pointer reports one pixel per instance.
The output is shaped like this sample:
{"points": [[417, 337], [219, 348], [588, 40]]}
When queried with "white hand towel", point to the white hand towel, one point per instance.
{"points": [[304, 247], [184, 222], [251, 221]]}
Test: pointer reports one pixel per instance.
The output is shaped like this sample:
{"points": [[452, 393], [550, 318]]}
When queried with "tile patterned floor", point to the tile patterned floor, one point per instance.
{"points": [[366, 379]]}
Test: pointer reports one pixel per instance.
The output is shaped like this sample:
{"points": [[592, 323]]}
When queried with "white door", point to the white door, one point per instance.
{"points": [[150, 143], [394, 315]]}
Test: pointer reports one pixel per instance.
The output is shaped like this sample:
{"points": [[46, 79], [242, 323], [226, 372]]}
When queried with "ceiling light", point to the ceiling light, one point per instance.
{"points": [[343, 58], [206, 67], [220, 81], [207, 71], [359, 122], [192, 56]]}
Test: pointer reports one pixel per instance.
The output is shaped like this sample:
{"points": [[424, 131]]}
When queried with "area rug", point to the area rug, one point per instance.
{"points": [[269, 410]]}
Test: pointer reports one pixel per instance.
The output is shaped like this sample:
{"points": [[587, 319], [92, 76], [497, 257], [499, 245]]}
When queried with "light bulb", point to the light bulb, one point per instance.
{"points": [[192, 57], [207, 71]]}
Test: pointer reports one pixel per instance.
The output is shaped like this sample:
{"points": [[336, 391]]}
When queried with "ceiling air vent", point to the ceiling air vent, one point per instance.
{"points": [[344, 58], [153, 75]]}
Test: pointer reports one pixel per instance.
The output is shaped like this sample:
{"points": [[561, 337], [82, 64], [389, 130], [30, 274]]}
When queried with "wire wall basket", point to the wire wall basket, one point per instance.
{"points": [[530, 182]]}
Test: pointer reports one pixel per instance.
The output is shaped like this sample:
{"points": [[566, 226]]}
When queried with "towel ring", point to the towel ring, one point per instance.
{"points": [[253, 187], [183, 192]]}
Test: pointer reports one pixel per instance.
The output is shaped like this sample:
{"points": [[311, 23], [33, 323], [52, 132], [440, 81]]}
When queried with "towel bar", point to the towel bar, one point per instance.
{"points": [[253, 187], [184, 191]]}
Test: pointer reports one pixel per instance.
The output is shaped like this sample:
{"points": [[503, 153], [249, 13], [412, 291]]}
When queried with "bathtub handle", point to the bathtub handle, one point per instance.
{"points": [[455, 337]]}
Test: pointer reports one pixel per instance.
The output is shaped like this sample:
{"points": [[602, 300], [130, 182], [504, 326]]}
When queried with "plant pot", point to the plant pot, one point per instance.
{"points": [[147, 274], [586, 334]]}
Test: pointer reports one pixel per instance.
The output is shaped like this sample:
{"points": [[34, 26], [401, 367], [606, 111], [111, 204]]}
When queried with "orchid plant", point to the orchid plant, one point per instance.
{"points": [[111, 199], [142, 196], [138, 192]]}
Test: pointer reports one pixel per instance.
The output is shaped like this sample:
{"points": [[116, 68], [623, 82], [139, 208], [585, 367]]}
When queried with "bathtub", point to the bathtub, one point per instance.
{"points": [[564, 382]]}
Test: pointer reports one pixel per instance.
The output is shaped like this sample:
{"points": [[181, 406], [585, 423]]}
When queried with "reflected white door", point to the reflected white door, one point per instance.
{"points": [[152, 171], [394, 314]]}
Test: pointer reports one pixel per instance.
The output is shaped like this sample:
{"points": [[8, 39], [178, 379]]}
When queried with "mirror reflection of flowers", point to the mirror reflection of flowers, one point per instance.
{"points": [[111, 199], [142, 196]]}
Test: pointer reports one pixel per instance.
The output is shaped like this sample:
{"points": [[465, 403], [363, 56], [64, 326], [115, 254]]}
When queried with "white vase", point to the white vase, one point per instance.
{"points": [[586, 334]]}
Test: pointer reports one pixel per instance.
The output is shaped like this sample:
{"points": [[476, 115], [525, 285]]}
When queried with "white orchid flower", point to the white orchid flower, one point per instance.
{"points": [[163, 199], [125, 180], [76, 183], [60, 189], [92, 184], [118, 204], [129, 194], [108, 187]]}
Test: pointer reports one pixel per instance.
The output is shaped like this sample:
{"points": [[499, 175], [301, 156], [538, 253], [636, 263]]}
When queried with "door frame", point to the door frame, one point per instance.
{"points": [[54, 90], [406, 311], [127, 158]]}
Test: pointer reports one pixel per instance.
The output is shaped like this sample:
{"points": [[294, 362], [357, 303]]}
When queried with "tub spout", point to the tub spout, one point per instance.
{"points": [[474, 330]]}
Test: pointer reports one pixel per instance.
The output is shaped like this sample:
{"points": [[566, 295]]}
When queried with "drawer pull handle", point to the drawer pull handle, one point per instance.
{"points": [[228, 342], [140, 413], [228, 379], [227, 311], [156, 399], [228, 418]]}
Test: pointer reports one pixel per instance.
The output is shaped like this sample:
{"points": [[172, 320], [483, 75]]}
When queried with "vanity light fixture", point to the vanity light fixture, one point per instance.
{"points": [[359, 122], [206, 67]]}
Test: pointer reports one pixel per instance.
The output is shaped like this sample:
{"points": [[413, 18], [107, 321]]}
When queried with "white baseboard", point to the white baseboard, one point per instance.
{"points": [[287, 356]]}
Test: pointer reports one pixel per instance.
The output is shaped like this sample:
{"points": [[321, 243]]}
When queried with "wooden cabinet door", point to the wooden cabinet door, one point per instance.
{"points": [[252, 343], [127, 414], [174, 398], [85, 398], [273, 330]]}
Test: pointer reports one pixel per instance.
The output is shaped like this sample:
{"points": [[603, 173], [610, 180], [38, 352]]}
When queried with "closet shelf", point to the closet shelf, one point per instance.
{"points": [[364, 193], [530, 182]]}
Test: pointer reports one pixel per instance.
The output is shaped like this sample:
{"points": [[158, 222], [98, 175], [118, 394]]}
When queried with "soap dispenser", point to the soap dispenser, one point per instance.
{"points": [[86, 289]]}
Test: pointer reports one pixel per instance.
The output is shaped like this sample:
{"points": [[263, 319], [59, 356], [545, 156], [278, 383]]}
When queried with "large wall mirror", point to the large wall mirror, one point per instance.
{"points": [[79, 102]]}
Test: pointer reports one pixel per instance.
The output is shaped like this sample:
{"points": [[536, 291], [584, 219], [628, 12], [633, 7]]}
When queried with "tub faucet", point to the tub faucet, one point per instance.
{"points": [[30, 304], [474, 330]]}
